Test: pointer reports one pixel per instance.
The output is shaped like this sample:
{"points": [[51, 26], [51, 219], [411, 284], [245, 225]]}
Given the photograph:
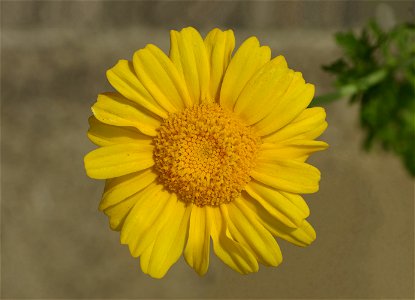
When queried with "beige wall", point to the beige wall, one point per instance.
{"points": [[55, 243]]}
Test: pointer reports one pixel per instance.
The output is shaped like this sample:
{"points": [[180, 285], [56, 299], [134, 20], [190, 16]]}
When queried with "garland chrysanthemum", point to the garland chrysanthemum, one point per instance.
{"points": [[199, 146]]}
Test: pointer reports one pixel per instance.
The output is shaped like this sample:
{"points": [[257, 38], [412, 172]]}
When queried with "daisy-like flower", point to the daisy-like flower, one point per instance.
{"points": [[200, 146]]}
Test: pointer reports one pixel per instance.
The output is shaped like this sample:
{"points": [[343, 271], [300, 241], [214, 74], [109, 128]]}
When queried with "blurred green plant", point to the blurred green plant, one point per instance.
{"points": [[378, 72]]}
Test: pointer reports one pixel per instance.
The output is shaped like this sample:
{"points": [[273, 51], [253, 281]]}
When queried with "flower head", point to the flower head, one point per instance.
{"points": [[199, 146]]}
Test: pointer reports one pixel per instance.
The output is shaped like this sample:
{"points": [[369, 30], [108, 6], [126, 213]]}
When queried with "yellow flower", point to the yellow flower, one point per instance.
{"points": [[199, 145]]}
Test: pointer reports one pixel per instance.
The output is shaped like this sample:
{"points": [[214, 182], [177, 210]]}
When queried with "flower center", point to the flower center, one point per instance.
{"points": [[204, 154]]}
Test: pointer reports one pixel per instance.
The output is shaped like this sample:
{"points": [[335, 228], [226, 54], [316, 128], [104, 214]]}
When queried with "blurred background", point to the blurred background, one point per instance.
{"points": [[55, 243]]}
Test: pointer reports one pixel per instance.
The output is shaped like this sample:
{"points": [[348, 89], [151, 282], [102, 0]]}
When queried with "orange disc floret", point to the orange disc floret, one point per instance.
{"points": [[205, 154]]}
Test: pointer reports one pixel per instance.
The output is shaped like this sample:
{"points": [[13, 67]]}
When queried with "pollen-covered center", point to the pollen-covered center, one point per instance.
{"points": [[204, 154]]}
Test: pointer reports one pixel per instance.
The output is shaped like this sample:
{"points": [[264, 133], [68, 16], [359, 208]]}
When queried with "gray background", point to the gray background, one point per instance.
{"points": [[55, 243]]}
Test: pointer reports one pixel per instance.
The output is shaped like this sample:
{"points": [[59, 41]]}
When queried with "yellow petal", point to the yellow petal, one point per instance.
{"points": [[123, 78], [298, 201], [146, 256], [276, 204], [197, 248], [296, 99], [309, 125], [219, 46], [188, 54], [145, 220], [118, 160], [288, 175], [248, 59], [263, 92], [118, 212], [232, 253], [246, 229], [113, 109], [293, 149], [102, 134], [161, 78], [301, 236], [120, 188], [170, 241]]}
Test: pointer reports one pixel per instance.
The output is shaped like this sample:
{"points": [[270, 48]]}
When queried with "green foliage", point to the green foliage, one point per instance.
{"points": [[378, 72]]}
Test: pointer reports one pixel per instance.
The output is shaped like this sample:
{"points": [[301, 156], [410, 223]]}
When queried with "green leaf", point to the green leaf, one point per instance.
{"points": [[377, 71]]}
